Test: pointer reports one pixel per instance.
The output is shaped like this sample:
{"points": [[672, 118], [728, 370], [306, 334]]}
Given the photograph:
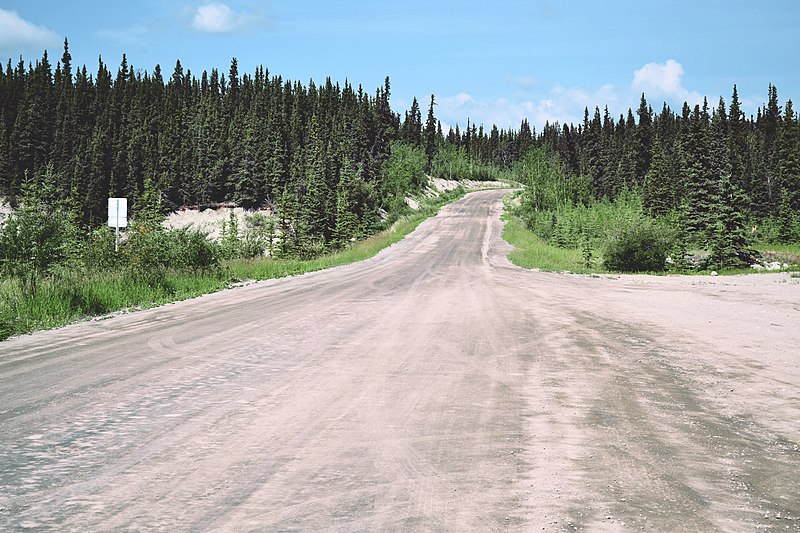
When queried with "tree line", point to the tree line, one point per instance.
{"points": [[692, 162], [248, 139], [332, 161]]}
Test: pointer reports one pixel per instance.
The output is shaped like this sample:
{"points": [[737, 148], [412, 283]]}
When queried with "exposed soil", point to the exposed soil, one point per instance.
{"points": [[434, 387]]}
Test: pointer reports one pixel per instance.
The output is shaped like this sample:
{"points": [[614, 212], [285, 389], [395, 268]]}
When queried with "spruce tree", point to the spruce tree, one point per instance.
{"points": [[318, 208], [786, 161], [738, 153], [38, 236], [729, 245], [430, 135], [658, 193], [643, 138], [788, 225], [702, 189], [769, 126], [412, 125]]}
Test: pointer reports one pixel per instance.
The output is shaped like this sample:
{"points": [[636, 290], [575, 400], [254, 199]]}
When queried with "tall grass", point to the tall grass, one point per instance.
{"points": [[75, 296]]}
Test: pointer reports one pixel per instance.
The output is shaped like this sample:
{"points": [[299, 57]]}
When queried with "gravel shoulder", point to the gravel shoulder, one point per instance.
{"points": [[433, 387]]}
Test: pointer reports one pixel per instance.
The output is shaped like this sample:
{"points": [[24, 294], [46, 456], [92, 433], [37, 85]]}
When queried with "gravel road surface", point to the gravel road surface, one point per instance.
{"points": [[433, 387]]}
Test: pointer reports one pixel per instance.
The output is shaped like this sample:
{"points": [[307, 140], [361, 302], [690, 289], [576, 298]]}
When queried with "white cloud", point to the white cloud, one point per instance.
{"points": [[540, 103], [217, 18], [663, 81], [454, 102], [19, 34], [558, 104]]}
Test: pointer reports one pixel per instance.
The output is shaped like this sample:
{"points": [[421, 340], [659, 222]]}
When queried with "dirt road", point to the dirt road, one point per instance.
{"points": [[434, 387]]}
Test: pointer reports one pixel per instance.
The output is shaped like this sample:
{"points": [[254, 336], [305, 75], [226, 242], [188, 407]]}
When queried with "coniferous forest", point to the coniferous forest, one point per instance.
{"points": [[255, 139], [705, 178], [689, 159], [335, 163], [249, 139]]}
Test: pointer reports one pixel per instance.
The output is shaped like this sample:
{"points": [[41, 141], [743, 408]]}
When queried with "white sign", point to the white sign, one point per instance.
{"points": [[118, 212]]}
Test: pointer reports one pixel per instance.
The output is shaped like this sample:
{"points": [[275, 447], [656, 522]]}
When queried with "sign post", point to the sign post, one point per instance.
{"points": [[117, 217]]}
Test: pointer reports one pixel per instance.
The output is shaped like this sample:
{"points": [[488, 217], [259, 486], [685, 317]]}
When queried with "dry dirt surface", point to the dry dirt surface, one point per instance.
{"points": [[434, 387]]}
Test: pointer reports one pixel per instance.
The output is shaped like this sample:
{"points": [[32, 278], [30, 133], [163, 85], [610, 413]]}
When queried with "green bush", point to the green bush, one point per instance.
{"points": [[191, 250], [147, 253], [639, 247], [97, 250], [35, 240], [152, 251], [259, 236]]}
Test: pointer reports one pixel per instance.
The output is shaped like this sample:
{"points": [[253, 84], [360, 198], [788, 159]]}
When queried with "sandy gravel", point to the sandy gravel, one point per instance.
{"points": [[435, 387]]}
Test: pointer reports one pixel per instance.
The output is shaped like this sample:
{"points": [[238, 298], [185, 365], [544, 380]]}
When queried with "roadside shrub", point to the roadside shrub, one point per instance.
{"points": [[404, 171], [229, 241], [637, 247], [192, 250], [147, 253], [34, 241], [259, 236], [97, 251], [9, 313]]}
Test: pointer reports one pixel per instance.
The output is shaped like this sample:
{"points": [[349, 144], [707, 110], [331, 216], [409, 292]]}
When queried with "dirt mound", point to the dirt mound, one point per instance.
{"points": [[210, 220], [5, 208]]}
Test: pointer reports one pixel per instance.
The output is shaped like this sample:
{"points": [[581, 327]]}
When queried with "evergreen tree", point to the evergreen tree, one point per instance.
{"points": [[788, 224], [729, 245], [738, 152], [700, 184], [286, 226], [149, 207], [318, 208], [37, 237], [786, 160], [412, 125], [430, 135], [658, 194], [627, 153], [769, 126], [643, 138], [593, 148], [718, 138], [354, 198]]}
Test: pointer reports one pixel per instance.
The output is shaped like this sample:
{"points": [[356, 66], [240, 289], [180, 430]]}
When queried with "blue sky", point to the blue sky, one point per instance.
{"points": [[494, 62]]}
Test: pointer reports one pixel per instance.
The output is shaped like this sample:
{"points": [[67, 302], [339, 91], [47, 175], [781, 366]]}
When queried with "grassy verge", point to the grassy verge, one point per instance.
{"points": [[74, 296], [531, 251], [783, 253]]}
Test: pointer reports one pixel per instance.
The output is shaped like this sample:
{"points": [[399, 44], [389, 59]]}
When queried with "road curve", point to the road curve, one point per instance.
{"points": [[433, 387]]}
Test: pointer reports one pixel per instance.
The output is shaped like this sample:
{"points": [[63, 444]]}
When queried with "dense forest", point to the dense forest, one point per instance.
{"points": [[253, 140], [709, 180], [332, 161], [689, 159]]}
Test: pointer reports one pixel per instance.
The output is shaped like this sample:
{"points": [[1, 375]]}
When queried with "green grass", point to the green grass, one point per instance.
{"points": [[74, 296], [531, 251], [268, 268], [785, 248], [784, 253]]}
